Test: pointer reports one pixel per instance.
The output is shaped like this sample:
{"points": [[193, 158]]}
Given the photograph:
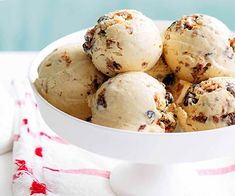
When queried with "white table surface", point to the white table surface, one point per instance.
{"points": [[13, 65]]}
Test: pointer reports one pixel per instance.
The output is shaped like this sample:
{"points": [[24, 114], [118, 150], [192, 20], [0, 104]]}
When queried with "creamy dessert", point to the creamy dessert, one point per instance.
{"points": [[197, 47], [66, 77], [123, 40], [208, 105], [133, 101]]}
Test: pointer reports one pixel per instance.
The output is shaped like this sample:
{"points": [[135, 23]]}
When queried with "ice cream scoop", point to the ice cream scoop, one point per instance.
{"points": [[123, 40], [133, 101], [208, 105], [66, 77], [197, 47]]}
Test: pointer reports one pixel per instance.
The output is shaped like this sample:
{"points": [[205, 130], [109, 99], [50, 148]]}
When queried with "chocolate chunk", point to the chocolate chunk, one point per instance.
{"points": [[86, 47], [95, 83], [88, 39], [169, 98], [169, 79], [101, 99], [177, 69], [109, 43], [89, 35], [144, 64], [208, 54], [199, 70], [103, 18], [88, 119], [230, 118], [102, 33], [167, 124], [112, 65], [231, 88], [141, 127], [201, 118], [215, 119], [172, 24], [151, 114], [188, 26], [118, 45], [190, 98]]}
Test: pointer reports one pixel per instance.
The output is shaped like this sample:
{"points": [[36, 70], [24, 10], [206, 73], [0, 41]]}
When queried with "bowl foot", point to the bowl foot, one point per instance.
{"points": [[141, 180]]}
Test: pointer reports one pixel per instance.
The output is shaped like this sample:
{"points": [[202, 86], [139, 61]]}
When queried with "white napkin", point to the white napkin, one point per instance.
{"points": [[45, 164]]}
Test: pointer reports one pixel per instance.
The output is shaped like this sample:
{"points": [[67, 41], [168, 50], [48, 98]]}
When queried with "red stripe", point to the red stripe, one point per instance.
{"points": [[92, 172], [54, 138], [216, 171]]}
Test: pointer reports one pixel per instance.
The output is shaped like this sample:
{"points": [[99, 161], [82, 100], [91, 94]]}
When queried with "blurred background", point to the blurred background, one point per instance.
{"points": [[32, 24]]}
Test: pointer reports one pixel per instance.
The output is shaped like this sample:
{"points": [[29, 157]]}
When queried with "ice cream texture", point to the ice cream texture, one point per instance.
{"points": [[66, 77], [133, 101], [208, 105], [198, 47], [123, 40]]}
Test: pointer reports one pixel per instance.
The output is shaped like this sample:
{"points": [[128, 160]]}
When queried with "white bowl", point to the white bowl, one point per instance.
{"points": [[160, 148]]}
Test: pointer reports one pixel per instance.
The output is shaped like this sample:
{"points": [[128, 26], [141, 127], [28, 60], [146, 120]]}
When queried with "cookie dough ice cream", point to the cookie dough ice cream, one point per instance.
{"points": [[197, 47], [66, 77], [208, 105], [133, 101], [123, 40]]}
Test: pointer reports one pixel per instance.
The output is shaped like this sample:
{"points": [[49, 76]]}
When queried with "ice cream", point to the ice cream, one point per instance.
{"points": [[208, 105], [66, 77], [197, 47], [123, 40], [162, 72], [179, 89], [133, 101]]}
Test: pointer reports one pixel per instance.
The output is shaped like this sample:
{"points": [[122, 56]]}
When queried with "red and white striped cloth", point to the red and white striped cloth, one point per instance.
{"points": [[45, 164]]}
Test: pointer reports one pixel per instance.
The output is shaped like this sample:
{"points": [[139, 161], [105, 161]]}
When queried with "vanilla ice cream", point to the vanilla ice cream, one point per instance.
{"points": [[66, 77], [133, 101], [197, 47], [123, 40], [208, 105]]}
